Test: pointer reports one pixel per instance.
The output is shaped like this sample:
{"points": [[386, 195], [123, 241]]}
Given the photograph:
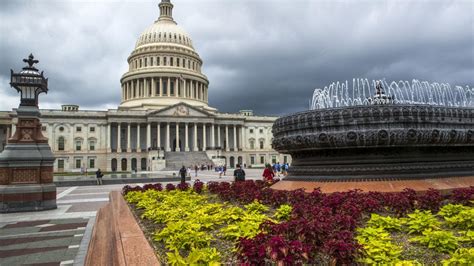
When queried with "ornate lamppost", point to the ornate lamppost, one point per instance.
{"points": [[26, 164]]}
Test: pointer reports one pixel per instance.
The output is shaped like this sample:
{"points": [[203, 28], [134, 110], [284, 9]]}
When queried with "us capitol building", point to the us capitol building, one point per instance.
{"points": [[163, 120]]}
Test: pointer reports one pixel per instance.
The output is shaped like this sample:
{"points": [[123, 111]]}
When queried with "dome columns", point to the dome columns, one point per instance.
{"points": [[166, 10]]}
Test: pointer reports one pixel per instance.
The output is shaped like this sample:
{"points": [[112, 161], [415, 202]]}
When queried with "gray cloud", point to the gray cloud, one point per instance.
{"points": [[268, 56]]}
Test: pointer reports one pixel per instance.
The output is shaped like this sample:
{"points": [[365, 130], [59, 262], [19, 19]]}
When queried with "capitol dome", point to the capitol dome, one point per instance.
{"points": [[164, 68]]}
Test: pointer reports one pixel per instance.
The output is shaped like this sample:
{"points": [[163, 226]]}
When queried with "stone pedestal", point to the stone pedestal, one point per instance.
{"points": [[26, 167]]}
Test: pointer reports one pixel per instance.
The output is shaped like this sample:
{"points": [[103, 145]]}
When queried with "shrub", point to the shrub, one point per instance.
{"points": [[198, 186], [283, 213], [463, 220], [441, 241], [462, 195], [430, 200], [378, 248], [183, 186], [419, 221], [170, 187], [387, 223], [450, 210], [462, 256]]}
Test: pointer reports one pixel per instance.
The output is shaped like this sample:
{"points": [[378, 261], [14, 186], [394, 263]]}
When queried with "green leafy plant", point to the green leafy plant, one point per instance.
{"points": [[463, 220], [283, 213], [450, 210], [419, 221], [247, 227], [204, 256], [466, 236], [462, 256], [387, 223], [256, 207], [378, 248], [441, 241]]}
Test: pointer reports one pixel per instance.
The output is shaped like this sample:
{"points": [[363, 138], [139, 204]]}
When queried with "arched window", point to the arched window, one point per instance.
{"points": [[61, 144]]}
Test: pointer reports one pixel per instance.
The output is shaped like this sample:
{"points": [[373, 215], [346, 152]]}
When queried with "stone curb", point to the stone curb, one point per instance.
{"points": [[117, 239]]}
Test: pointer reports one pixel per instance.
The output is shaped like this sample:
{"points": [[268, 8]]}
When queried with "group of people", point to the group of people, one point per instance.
{"points": [[271, 171], [239, 173]]}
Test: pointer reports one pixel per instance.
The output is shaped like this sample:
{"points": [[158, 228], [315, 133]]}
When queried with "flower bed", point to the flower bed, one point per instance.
{"points": [[250, 223]]}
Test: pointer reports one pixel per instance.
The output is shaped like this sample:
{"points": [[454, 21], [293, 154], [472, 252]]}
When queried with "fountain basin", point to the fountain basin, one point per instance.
{"points": [[377, 142]]}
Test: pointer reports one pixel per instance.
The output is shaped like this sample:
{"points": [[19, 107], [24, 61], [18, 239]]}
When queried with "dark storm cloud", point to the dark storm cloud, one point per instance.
{"points": [[268, 56]]}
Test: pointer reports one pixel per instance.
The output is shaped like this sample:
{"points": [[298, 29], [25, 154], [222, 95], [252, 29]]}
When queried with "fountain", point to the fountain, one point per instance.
{"points": [[378, 131]]}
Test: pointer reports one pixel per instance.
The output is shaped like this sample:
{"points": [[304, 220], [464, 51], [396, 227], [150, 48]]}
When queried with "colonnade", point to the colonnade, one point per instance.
{"points": [[164, 87], [187, 136]]}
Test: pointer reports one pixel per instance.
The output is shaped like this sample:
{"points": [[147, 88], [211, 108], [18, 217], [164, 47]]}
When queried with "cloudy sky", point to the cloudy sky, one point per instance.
{"points": [[263, 55]]}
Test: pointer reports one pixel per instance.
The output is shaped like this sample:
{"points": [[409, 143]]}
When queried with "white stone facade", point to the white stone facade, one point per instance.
{"points": [[164, 109]]}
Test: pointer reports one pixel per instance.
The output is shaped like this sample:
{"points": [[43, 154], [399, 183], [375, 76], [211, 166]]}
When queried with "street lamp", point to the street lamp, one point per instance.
{"points": [[29, 82]]}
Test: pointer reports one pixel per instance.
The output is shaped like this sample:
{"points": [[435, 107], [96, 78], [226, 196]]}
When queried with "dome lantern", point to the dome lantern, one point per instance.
{"points": [[166, 10]]}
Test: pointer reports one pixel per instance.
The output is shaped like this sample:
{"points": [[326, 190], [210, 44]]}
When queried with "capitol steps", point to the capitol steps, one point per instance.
{"points": [[174, 160]]}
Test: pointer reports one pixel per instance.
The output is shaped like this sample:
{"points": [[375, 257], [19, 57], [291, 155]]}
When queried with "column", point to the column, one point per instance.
{"points": [[119, 138], [227, 138], [242, 145], [138, 138], [129, 144], [145, 87], [109, 142], [148, 135], [153, 86], [195, 147], [177, 87], [235, 138], [219, 136], [8, 132], [161, 86], [213, 141], [185, 91], [169, 87], [167, 143], [204, 137], [177, 137], [158, 136], [186, 141]]}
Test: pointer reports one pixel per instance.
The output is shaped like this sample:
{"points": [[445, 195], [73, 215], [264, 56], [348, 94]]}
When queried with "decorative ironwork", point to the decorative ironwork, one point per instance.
{"points": [[29, 82]]}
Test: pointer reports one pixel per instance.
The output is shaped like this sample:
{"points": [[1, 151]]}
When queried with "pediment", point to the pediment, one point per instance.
{"points": [[181, 110]]}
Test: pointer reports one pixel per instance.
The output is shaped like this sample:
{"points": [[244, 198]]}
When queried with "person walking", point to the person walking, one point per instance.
{"points": [[268, 173], [239, 174], [182, 173], [196, 170], [99, 176], [224, 169]]}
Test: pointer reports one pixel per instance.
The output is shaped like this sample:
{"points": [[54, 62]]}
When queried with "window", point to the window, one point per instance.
{"points": [[61, 144], [43, 128], [274, 159], [261, 144], [79, 129], [158, 61], [146, 62], [61, 129], [177, 62], [251, 130], [252, 144], [164, 61], [78, 145], [171, 61], [78, 163], [261, 131], [262, 159], [92, 129], [285, 159], [60, 164], [92, 145], [91, 163], [252, 159]]}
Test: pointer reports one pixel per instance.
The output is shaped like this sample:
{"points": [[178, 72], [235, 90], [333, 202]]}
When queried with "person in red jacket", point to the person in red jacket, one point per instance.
{"points": [[268, 173]]}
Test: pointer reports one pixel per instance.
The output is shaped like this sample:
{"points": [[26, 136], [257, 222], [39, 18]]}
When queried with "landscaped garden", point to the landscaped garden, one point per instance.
{"points": [[251, 224]]}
